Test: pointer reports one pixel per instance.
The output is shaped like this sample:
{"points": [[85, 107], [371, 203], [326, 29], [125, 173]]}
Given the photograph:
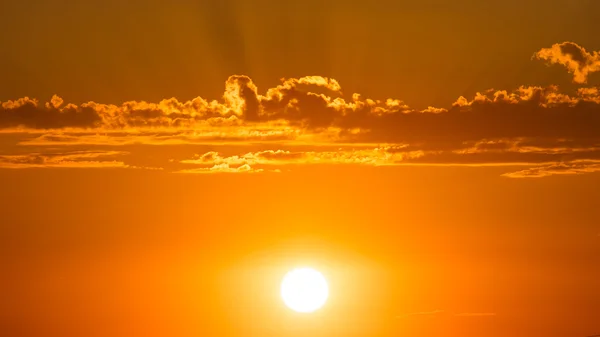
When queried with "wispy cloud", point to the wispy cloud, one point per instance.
{"points": [[75, 159], [563, 168], [538, 159], [373, 157]]}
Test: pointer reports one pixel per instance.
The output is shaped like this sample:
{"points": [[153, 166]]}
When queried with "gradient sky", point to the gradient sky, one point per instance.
{"points": [[164, 164]]}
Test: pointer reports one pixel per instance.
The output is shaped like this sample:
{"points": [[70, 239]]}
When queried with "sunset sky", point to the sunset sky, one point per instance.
{"points": [[163, 164]]}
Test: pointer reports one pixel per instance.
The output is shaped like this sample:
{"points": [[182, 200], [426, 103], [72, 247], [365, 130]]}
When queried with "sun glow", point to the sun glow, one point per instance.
{"points": [[304, 290]]}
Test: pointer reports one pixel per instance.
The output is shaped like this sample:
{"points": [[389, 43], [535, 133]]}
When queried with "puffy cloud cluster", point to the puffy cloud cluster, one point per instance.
{"points": [[293, 111], [240, 104], [541, 127]]}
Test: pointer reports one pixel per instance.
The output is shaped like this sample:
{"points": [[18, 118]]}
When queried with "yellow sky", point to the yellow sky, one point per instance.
{"points": [[162, 166]]}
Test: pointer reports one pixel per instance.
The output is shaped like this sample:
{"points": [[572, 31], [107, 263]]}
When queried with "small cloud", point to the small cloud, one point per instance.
{"points": [[575, 58], [475, 314]]}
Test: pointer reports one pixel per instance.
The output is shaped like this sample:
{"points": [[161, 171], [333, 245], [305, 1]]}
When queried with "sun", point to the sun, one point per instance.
{"points": [[304, 290]]}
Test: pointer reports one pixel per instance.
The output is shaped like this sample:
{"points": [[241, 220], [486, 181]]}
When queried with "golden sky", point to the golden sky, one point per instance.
{"points": [[164, 164]]}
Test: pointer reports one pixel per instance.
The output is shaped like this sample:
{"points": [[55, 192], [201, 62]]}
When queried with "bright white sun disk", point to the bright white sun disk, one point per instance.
{"points": [[304, 290]]}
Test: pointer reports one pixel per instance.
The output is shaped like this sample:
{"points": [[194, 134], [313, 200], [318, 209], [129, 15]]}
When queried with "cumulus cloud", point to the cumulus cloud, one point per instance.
{"points": [[240, 104], [572, 56], [525, 112], [288, 114]]}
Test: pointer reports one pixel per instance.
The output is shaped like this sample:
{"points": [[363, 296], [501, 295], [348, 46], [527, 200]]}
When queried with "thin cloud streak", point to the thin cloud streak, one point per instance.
{"points": [[215, 162], [476, 314], [421, 313], [75, 159], [439, 312], [562, 168], [72, 160]]}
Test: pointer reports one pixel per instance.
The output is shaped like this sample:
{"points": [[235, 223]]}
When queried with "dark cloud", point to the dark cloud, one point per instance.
{"points": [[26, 112], [528, 112]]}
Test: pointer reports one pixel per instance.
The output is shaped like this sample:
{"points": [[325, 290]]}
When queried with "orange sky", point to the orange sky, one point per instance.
{"points": [[164, 165]]}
